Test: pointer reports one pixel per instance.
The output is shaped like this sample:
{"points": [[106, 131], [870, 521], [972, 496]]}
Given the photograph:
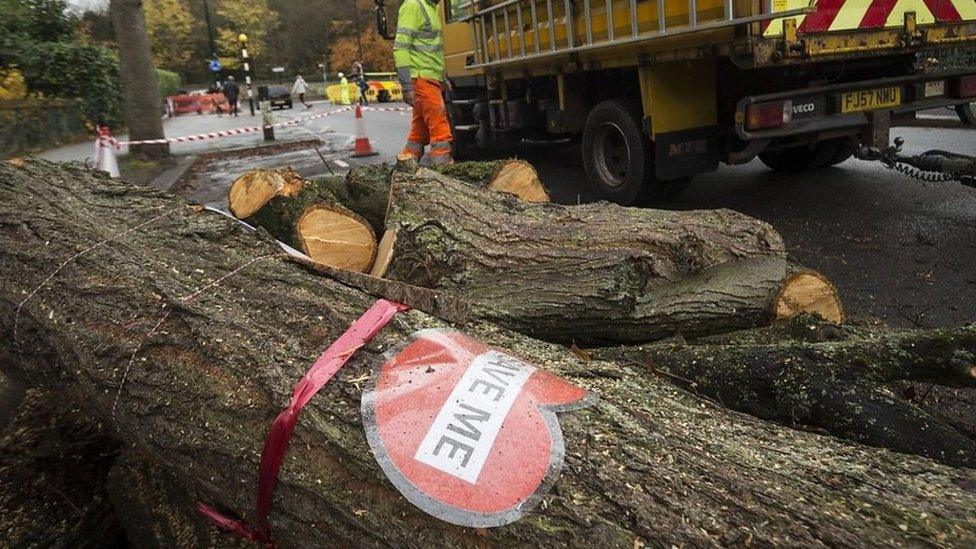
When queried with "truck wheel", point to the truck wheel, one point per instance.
{"points": [[616, 155], [802, 158], [845, 150], [967, 113]]}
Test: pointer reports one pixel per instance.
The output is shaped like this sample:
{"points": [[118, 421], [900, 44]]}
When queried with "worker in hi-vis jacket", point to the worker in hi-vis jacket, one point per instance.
{"points": [[419, 55]]}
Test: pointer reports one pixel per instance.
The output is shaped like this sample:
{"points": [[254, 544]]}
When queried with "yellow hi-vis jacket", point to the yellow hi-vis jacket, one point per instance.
{"points": [[419, 45]]}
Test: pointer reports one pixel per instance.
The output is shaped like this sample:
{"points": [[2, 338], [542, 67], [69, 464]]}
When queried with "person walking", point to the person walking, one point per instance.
{"points": [[300, 88], [359, 77], [344, 89], [419, 55], [232, 92]]}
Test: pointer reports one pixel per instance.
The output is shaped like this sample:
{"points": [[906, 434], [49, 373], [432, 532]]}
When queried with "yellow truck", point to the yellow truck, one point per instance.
{"points": [[661, 90]]}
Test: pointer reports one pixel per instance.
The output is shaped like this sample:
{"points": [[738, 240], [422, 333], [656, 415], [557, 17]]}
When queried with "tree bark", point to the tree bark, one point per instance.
{"points": [[366, 190], [140, 90], [54, 460], [837, 385], [155, 509], [955, 406], [590, 273], [647, 463]]}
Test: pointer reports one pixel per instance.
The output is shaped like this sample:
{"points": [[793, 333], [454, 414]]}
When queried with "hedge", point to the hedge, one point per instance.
{"points": [[68, 69], [169, 82]]}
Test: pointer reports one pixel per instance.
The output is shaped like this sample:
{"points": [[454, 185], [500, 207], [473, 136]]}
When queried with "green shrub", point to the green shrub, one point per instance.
{"points": [[169, 82], [69, 69]]}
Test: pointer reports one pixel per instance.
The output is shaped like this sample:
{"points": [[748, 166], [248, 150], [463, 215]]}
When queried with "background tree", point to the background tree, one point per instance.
{"points": [[95, 27], [305, 33], [58, 57], [252, 17], [377, 52], [50, 21], [13, 29], [170, 27], [140, 89]]}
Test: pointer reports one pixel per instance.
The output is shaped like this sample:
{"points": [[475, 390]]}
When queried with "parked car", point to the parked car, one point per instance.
{"points": [[279, 96]]}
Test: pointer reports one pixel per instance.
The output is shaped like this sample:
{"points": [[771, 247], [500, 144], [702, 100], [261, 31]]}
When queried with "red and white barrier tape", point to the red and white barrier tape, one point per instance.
{"points": [[389, 109], [112, 142], [221, 133]]}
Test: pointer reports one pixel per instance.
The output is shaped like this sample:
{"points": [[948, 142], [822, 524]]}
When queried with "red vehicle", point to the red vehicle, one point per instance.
{"points": [[189, 103]]}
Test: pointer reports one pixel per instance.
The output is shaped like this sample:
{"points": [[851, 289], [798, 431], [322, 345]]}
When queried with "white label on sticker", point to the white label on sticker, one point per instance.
{"points": [[460, 439]]}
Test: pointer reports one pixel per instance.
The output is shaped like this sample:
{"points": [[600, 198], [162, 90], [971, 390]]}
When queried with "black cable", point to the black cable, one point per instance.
{"points": [[921, 175]]}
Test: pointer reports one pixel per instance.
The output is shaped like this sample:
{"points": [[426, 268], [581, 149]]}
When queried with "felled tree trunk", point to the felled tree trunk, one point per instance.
{"points": [[955, 406], [836, 384], [596, 272], [307, 216], [54, 460], [154, 508], [365, 190], [646, 464]]}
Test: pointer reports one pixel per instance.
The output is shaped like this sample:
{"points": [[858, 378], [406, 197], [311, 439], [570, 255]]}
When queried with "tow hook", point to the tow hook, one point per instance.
{"points": [[933, 166]]}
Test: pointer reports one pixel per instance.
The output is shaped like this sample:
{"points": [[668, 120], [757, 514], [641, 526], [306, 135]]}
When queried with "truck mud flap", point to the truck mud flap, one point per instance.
{"points": [[684, 153]]}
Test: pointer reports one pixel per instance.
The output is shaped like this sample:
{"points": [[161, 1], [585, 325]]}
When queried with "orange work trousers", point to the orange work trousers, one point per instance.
{"points": [[429, 125]]}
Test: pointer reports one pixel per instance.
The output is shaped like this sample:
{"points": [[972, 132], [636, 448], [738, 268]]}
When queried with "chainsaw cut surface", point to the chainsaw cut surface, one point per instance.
{"points": [[521, 179], [336, 237], [255, 188], [808, 292]]}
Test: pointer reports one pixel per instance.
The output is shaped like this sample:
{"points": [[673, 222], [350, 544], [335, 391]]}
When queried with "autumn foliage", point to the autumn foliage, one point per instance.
{"points": [[377, 53]]}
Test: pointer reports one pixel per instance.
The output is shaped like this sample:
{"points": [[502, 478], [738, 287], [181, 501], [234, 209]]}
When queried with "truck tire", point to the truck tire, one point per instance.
{"points": [[802, 158], [967, 113], [616, 154], [845, 150]]}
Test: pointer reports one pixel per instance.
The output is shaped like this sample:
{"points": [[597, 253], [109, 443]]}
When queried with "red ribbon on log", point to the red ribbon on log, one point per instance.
{"points": [[276, 444]]}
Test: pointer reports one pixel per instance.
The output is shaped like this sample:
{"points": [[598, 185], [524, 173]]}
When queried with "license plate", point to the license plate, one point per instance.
{"points": [[867, 100], [934, 89]]}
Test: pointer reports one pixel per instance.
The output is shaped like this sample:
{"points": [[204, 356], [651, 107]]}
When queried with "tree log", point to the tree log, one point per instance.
{"points": [[365, 190], [955, 406], [647, 463], [54, 460], [307, 216], [155, 509], [515, 177], [838, 385], [596, 272]]}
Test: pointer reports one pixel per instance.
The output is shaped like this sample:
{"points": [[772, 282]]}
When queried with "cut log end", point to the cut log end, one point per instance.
{"points": [[255, 188], [519, 178], [336, 237], [808, 292], [384, 254]]}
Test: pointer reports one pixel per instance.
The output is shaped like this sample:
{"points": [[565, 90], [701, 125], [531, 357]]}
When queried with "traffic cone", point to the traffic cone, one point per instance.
{"points": [[105, 153], [363, 146]]}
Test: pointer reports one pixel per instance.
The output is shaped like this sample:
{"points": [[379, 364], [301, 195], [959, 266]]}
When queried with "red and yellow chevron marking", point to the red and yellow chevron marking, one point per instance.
{"points": [[840, 15]]}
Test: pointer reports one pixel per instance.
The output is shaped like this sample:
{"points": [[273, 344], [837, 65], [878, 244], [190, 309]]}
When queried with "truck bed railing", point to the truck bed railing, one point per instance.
{"points": [[495, 43]]}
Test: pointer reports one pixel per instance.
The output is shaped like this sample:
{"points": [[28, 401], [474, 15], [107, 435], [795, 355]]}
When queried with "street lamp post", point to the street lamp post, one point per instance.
{"points": [[213, 50], [359, 31], [242, 38]]}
